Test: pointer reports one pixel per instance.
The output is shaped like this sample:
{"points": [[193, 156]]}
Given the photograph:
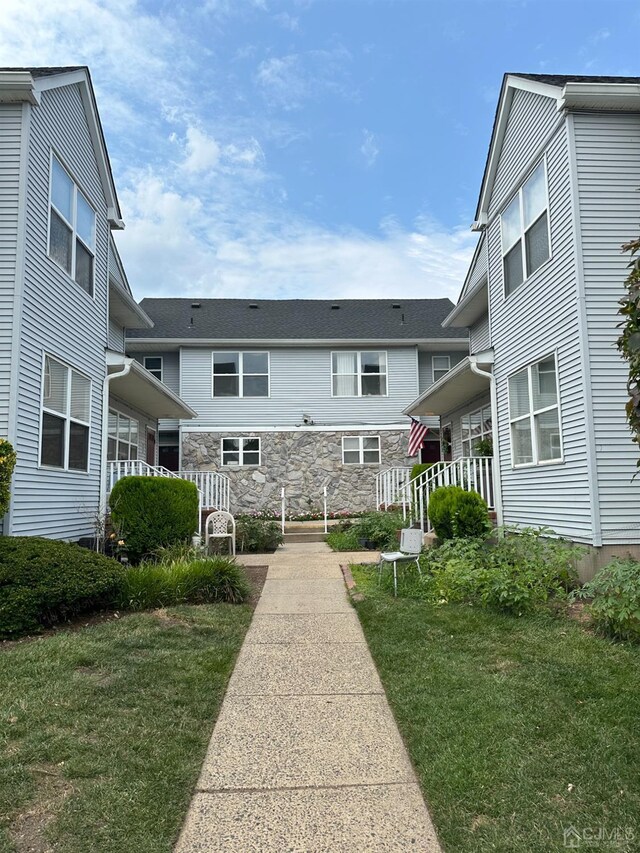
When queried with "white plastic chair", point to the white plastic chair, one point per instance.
{"points": [[217, 527], [410, 549]]}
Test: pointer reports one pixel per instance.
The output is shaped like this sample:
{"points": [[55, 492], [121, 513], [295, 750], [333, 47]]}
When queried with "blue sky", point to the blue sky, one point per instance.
{"points": [[306, 148]]}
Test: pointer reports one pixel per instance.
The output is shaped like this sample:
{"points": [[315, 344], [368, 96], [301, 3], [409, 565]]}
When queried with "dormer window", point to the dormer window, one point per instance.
{"points": [[72, 228], [525, 231]]}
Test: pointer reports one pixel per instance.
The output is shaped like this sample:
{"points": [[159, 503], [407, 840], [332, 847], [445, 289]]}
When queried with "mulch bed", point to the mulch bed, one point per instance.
{"points": [[257, 575]]}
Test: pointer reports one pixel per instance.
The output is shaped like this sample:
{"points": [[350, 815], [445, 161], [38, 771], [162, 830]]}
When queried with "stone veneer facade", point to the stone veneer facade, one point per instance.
{"points": [[304, 462]]}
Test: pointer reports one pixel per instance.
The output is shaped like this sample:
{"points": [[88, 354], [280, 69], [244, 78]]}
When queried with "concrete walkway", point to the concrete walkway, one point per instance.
{"points": [[306, 755]]}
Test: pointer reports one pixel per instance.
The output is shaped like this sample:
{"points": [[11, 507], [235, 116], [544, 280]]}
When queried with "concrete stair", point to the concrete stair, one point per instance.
{"points": [[304, 531]]}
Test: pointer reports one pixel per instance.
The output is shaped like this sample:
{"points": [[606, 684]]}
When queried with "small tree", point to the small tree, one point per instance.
{"points": [[629, 340], [7, 464]]}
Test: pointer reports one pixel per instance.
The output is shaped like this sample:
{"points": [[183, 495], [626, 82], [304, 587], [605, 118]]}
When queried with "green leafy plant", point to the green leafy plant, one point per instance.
{"points": [[153, 512], [420, 468], [200, 581], [615, 590], [378, 528], [629, 340], [7, 464], [442, 503], [470, 515], [43, 581], [257, 535], [484, 447]]}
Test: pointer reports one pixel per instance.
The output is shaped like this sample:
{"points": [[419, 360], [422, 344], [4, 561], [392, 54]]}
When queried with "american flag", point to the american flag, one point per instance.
{"points": [[417, 435]]}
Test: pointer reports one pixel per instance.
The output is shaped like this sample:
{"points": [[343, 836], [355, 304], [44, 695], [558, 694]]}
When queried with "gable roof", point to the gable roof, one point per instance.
{"points": [[298, 320], [568, 90], [28, 83]]}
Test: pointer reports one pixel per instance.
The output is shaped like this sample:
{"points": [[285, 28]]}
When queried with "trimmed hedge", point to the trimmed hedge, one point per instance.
{"points": [[153, 512], [456, 513], [420, 468], [43, 581], [441, 508], [7, 464]]}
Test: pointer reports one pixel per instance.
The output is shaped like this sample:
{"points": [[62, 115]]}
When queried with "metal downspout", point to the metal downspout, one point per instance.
{"points": [[497, 481], [105, 432]]}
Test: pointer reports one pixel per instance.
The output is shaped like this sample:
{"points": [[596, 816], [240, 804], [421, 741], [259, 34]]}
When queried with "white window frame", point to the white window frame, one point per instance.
{"points": [[241, 451], [485, 432], [530, 416], [155, 370], [441, 370], [64, 417], [524, 231], [241, 374], [117, 438], [360, 449], [360, 374], [71, 225]]}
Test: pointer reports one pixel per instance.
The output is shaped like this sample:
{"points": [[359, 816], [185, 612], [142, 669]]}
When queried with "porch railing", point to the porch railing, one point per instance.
{"points": [[472, 473], [213, 488], [391, 486]]}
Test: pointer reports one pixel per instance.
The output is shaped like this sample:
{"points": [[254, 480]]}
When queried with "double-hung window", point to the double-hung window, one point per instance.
{"points": [[534, 414], [359, 374], [241, 451], [72, 228], [361, 449], [123, 437], [476, 426], [525, 231], [66, 414], [441, 366], [241, 374], [153, 364]]}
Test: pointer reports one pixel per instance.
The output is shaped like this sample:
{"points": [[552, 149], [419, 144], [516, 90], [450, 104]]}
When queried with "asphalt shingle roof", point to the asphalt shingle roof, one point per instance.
{"points": [[46, 72], [297, 319], [562, 79]]}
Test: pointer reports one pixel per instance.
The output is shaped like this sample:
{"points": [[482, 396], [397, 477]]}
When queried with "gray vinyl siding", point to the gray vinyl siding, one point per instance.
{"points": [[480, 335], [455, 419], [608, 171], [425, 366], [10, 143], [170, 377], [116, 336], [538, 319], [300, 383], [59, 318], [144, 422]]}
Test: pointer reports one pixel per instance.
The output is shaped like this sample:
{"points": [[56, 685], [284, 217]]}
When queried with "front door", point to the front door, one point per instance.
{"points": [[151, 446]]}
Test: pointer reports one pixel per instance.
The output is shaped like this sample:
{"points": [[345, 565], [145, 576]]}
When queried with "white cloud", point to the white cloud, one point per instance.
{"points": [[369, 148], [287, 81], [203, 152]]}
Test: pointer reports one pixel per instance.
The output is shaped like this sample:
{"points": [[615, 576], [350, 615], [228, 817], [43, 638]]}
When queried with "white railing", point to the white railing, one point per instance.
{"points": [[472, 473], [391, 486], [213, 488], [283, 509]]}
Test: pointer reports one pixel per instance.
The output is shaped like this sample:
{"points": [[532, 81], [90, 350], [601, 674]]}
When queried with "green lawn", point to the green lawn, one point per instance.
{"points": [[103, 730], [518, 728]]}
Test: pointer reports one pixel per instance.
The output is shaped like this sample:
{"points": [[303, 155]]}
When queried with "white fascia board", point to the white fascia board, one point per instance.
{"points": [[124, 309], [470, 308], [137, 344], [81, 77], [604, 96], [298, 428], [481, 246], [511, 83], [18, 86]]}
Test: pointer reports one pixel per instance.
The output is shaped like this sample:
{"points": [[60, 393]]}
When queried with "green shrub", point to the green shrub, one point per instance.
{"points": [[442, 504], [7, 464], [470, 516], [344, 540], [43, 581], [616, 599], [420, 468], [153, 584], [255, 535], [152, 512], [379, 528]]}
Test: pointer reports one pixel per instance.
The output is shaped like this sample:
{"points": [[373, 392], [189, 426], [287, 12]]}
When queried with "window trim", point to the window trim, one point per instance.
{"points": [[360, 374], [153, 371], [119, 414], [74, 234], [240, 375], [433, 368], [241, 451], [67, 418], [537, 462], [361, 461], [483, 434], [523, 231]]}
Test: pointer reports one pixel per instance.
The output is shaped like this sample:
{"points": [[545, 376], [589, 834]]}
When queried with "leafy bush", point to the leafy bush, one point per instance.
{"points": [[616, 599], [470, 516], [153, 584], [379, 528], [516, 573], [442, 504], [420, 468], [43, 581], [7, 464], [152, 512], [255, 535]]}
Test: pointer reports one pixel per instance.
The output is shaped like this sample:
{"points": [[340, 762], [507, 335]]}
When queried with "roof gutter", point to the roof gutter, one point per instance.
{"points": [[102, 511], [497, 480]]}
